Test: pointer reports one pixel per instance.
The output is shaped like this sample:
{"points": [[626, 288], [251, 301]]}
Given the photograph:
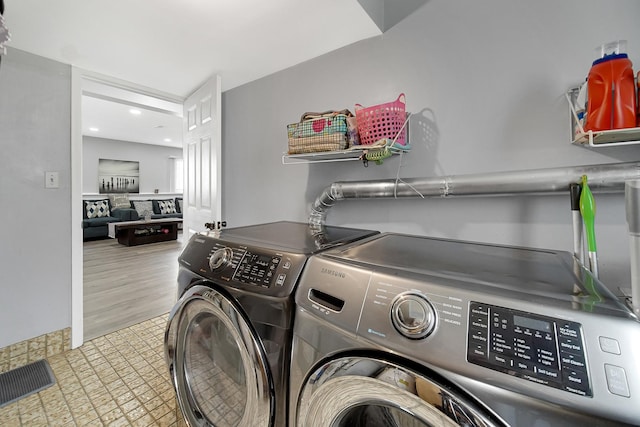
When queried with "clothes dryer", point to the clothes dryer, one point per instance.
{"points": [[401, 330], [228, 339]]}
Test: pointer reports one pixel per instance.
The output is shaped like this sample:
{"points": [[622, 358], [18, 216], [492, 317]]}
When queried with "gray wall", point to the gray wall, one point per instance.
{"points": [[155, 162], [487, 78], [35, 249], [486, 82]]}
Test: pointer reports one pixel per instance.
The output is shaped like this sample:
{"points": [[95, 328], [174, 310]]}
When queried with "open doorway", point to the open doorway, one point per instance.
{"points": [[120, 122]]}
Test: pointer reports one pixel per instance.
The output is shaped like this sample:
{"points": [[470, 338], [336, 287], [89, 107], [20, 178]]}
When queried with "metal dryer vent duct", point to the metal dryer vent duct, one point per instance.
{"points": [[602, 178], [607, 177]]}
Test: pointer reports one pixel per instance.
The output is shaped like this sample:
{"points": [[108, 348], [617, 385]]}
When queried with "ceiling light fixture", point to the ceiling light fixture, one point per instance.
{"points": [[135, 112], [167, 140], [92, 129]]}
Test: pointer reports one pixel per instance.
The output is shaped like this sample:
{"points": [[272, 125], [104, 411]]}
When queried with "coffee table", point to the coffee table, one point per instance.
{"points": [[133, 233]]}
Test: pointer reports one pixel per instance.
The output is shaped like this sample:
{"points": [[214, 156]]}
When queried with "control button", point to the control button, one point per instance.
{"points": [[280, 279], [478, 335], [573, 345], [569, 330], [575, 361], [575, 378], [523, 366], [609, 345], [287, 265], [617, 380], [479, 309], [478, 350], [551, 374], [501, 360], [478, 322]]}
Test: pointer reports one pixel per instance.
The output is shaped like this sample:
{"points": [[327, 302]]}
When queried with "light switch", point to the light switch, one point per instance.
{"points": [[51, 180]]}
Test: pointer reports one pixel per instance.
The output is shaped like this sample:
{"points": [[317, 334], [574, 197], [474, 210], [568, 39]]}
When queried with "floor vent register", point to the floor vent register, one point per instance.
{"points": [[24, 381]]}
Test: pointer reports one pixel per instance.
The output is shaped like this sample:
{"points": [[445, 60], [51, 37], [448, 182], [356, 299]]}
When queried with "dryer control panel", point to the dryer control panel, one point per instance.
{"points": [[537, 348]]}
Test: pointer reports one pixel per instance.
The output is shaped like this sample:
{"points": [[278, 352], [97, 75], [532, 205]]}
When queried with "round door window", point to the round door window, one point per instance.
{"points": [[219, 369], [356, 391], [375, 415], [215, 377]]}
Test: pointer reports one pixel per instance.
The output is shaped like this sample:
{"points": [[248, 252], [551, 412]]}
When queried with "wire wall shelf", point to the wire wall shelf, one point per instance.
{"points": [[598, 139]]}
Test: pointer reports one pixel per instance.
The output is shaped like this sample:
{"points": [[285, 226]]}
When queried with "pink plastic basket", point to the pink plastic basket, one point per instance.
{"points": [[382, 121]]}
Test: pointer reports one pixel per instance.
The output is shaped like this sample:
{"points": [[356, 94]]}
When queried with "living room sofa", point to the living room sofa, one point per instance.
{"points": [[98, 213], [157, 208]]}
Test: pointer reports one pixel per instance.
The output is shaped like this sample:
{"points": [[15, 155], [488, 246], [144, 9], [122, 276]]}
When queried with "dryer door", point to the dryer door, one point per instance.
{"points": [[217, 363], [357, 391]]}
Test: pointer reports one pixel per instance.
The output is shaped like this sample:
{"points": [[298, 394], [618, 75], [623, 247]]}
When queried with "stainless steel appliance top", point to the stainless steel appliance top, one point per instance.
{"points": [[294, 236], [540, 275]]}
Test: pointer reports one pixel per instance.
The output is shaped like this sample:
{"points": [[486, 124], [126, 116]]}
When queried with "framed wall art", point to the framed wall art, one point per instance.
{"points": [[118, 176]]}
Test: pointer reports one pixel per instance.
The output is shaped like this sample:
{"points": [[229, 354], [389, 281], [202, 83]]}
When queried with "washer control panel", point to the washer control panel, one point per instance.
{"points": [[541, 349], [267, 271], [247, 266], [258, 268]]}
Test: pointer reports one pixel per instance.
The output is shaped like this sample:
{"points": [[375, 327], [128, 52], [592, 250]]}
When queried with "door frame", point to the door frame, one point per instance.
{"points": [[79, 75]]}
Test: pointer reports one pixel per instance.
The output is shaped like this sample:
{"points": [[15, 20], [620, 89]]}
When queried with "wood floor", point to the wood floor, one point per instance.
{"points": [[127, 285]]}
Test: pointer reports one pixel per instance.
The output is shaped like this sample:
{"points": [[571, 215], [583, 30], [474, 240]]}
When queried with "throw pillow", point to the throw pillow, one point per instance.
{"points": [[120, 201], [179, 205], [167, 206], [97, 208], [143, 207]]}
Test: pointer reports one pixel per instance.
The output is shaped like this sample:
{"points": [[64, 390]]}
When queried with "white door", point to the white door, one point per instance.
{"points": [[202, 157]]}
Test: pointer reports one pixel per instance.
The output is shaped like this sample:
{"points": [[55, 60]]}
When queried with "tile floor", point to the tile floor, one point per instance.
{"points": [[120, 379]]}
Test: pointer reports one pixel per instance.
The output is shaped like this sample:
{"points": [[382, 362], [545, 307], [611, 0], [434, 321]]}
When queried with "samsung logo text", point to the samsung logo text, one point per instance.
{"points": [[333, 273]]}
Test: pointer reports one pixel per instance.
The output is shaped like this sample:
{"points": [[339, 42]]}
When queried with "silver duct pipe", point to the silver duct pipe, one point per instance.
{"points": [[607, 177]]}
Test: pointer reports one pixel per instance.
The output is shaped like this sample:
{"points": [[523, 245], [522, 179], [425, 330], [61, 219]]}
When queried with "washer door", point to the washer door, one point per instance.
{"points": [[217, 363], [357, 391]]}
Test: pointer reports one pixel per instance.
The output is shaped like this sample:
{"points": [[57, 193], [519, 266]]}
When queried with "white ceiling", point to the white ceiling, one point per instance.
{"points": [[113, 120], [174, 46]]}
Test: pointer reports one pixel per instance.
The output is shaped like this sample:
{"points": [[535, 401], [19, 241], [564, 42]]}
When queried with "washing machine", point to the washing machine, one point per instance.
{"points": [[401, 330], [228, 338]]}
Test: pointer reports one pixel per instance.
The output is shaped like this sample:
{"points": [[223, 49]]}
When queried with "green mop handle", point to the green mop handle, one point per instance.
{"points": [[588, 211]]}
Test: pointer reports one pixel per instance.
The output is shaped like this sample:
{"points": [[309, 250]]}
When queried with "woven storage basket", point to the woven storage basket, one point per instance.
{"points": [[381, 121], [318, 143], [325, 125]]}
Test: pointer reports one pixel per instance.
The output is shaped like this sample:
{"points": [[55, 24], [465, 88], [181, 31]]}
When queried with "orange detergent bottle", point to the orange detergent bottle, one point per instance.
{"points": [[611, 93]]}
